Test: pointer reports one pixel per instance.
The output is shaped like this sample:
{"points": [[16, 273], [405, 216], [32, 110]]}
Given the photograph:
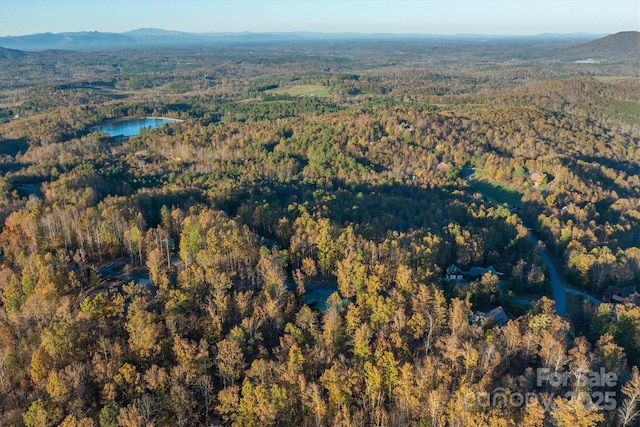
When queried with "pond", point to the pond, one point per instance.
{"points": [[131, 126]]}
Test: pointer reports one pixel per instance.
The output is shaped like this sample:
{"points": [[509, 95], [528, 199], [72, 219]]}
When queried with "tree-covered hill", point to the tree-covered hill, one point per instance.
{"points": [[623, 45], [284, 260]]}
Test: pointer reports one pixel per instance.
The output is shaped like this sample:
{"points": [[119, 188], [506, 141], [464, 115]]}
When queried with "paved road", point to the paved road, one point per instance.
{"points": [[591, 298], [557, 287]]}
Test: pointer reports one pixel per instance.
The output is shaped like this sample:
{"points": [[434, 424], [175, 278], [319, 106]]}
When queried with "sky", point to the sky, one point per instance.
{"points": [[20, 17]]}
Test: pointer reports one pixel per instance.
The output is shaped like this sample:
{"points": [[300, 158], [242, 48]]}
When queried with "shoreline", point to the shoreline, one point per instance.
{"points": [[165, 118], [131, 118]]}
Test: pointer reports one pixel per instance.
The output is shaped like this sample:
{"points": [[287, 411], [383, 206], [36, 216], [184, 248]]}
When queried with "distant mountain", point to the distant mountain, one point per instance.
{"points": [[67, 41], [144, 37], [619, 46], [153, 37], [152, 32]]}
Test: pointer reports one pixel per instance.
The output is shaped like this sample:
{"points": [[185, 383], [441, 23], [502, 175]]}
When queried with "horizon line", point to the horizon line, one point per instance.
{"points": [[241, 32]]}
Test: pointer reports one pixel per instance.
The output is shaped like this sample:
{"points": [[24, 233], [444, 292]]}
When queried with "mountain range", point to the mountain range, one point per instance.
{"points": [[623, 46], [151, 37]]}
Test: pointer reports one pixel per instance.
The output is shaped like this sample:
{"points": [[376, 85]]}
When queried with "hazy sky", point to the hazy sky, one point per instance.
{"points": [[18, 17]]}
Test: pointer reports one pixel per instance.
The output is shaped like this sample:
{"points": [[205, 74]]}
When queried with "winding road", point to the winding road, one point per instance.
{"points": [[558, 288]]}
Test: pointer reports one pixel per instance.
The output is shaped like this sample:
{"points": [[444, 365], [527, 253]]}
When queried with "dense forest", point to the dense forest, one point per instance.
{"points": [[282, 254]]}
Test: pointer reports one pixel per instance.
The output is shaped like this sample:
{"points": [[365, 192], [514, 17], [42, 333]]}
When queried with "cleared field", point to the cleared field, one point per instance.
{"points": [[302, 90], [625, 111], [498, 191]]}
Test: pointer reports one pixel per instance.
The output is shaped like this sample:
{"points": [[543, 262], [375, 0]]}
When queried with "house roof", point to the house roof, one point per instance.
{"points": [[479, 271], [621, 293], [443, 166], [453, 269], [473, 271], [498, 314], [493, 270], [537, 177]]}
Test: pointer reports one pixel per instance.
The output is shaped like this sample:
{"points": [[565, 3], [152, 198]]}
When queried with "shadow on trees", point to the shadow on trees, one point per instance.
{"points": [[590, 173], [376, 210], [628, 167], [12, 147]]}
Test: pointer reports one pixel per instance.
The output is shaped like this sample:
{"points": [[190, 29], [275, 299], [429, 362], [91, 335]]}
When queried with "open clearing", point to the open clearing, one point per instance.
{"points": [[302, 90], [498, 191]]}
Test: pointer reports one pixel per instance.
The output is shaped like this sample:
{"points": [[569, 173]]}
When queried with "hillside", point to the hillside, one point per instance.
{"points": [[10, 53], [620, 46]]}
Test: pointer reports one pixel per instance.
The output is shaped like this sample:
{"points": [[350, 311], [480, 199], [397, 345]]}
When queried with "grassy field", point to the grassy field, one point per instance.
{"points": [[625, 111], [498, 191], [302, 90]]}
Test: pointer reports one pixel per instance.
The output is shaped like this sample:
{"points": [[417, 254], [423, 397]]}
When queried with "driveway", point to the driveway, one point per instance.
{"points": [[557, 287]]}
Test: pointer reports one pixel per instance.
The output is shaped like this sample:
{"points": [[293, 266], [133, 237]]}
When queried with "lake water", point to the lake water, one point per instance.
{"points": [[130, 127]]}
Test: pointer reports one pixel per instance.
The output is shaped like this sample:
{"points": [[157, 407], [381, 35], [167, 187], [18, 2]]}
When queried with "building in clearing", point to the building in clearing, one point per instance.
{"points": [[619, 295], [498, 315], [444, 167], [456, 273], [538, 178]]}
